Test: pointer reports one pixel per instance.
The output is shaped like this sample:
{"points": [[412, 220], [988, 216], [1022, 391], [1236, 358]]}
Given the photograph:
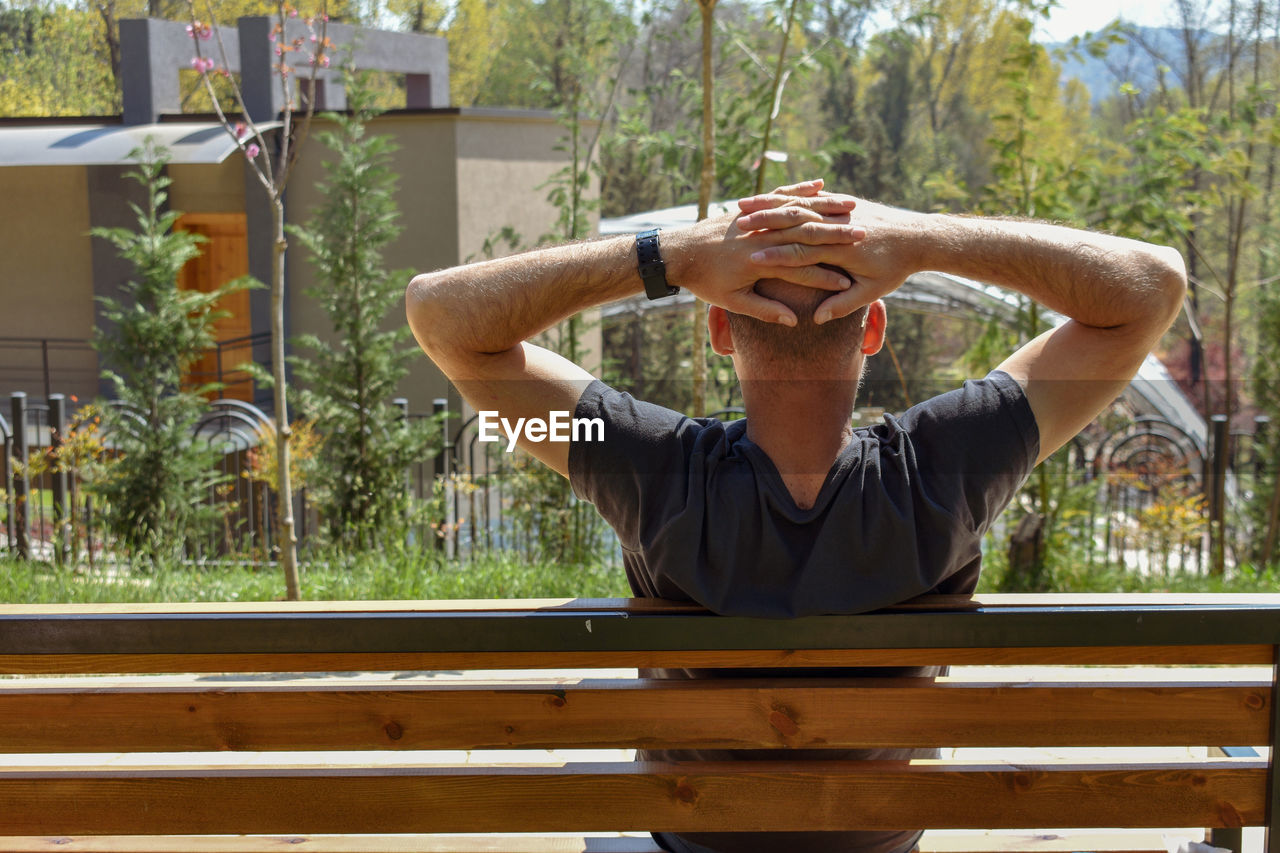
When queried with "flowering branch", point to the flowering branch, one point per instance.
{"points": [[246, 134]]}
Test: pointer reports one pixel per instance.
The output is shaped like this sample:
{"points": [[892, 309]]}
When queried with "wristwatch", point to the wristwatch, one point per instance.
{"points": [[652, 270]]}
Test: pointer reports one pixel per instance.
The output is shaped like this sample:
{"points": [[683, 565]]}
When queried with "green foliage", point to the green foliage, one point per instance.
{"points": [[1265, 509], [54, 61], [1143, 189], [153, 493], [549, 523], [358, 478]]}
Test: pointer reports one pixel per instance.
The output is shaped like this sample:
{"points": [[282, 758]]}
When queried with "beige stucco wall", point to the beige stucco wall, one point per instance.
{"points": [[208, 189], [46, 279], [461, 179], [505, 164]]}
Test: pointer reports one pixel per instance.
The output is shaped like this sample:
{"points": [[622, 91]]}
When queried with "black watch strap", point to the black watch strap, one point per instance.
{"points": [[652, 270]]}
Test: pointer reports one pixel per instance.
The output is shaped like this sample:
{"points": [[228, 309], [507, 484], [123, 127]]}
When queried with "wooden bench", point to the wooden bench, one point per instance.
{"points": [[98, 762]]}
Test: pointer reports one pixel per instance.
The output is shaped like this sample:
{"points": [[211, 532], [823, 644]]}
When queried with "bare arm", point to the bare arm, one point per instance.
{"points": [[475, 321], [1120, 295]]}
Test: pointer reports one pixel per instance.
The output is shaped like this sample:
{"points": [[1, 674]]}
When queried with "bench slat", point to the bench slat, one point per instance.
{"points": [[1203, 655], [1132, 841], [630, 630], [333, 844], [987, 601], [731, 796], [624, 713]]}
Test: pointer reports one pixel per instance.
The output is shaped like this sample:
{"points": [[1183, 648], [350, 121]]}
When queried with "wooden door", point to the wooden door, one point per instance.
{"points": [[224, 258]]}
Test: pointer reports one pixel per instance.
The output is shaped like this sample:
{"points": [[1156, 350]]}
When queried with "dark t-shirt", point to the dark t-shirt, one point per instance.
{"points": [[703, 515]]}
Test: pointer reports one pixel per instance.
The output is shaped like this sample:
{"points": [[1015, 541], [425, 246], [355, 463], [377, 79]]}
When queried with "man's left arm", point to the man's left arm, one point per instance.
{"points": [[475, 321]]}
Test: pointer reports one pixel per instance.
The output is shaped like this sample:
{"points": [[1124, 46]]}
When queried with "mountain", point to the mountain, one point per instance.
{"points": [[1137, 60]]}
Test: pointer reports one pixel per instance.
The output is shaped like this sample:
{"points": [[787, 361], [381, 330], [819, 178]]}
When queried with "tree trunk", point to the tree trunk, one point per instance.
{"points": [[775, 97], [288, 540], [706, 183], [1026, 572]]}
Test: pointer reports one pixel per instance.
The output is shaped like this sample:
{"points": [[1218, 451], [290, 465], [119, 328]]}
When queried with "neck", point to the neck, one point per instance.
{"points": [[802, 426]]}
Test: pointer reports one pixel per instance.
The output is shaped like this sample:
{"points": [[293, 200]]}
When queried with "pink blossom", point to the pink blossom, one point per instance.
{"points": [[241, 130], [279, 52], [293, 13], [272, 37], [314, 37], [202, 64], [252, 150], [324, 61]]}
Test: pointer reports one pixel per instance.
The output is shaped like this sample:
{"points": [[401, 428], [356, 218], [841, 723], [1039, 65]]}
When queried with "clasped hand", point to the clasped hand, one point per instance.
{"points": [[886, 249]]}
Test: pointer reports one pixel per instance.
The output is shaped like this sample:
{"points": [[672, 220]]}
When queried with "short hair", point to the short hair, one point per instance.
{"points": [[806, 343]]}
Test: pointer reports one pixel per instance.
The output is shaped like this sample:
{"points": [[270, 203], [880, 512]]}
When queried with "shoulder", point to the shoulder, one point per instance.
{"points": [[988, 417]]}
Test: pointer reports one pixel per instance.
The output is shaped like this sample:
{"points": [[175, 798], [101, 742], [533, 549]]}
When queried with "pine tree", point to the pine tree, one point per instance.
{"points": [[360, 473], [155, 493]]}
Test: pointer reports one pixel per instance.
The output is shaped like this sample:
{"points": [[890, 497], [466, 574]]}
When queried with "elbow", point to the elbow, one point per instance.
{"points": [[419, 298], [1169, 279]]}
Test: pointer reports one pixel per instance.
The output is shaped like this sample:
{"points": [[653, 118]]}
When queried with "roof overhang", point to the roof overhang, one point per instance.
{"points": [[188, 143]]}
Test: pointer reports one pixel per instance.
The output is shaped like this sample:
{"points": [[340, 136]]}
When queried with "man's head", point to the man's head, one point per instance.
{"points": [[832, 350]]}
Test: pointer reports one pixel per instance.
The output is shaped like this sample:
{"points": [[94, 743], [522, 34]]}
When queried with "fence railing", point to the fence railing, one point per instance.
{"points": [[46, 363]]}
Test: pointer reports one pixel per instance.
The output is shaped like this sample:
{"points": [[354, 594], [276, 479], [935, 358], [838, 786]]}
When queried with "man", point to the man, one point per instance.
{"points": [[790, 511]]}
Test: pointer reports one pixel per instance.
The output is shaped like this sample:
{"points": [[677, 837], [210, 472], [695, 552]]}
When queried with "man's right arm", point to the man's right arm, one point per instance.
{"points": [[1120, 295]]}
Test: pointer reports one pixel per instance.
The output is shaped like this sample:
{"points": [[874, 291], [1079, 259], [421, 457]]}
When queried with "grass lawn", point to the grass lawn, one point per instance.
{"points": [[408, 576], [428, 575]]}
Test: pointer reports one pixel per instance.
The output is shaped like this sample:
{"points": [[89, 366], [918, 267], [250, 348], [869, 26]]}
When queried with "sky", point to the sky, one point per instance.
{"points": [[1074, 17]]}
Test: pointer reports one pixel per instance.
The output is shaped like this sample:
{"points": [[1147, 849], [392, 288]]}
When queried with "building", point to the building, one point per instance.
{"points": [[60, 178]]}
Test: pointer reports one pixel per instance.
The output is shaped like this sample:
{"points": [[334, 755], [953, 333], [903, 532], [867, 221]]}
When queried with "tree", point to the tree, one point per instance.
{"points": [[367, 445], [55, 61], [154, 496], [273, 176]]}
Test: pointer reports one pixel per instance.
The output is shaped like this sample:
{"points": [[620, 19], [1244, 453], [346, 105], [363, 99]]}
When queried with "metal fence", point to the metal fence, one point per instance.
{"points": [[49, 513], [486, 498], [45, 363], [1146, 494], [1152, 497]]}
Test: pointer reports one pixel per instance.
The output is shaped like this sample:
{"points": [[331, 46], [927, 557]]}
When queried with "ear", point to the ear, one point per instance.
{"points": [[873, 335], [718, 327]]}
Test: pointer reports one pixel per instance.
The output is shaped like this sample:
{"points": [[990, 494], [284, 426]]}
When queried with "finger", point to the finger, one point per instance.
{"points": [[808, 210], [786, 247], [778, 218], [825, 204], [754, 305], [819, 278], [780, 196], [845, 303], [811, 187], [762, 202]]}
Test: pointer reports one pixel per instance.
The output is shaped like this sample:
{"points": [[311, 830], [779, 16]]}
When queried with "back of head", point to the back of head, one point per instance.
{"points": [[804, 349]]}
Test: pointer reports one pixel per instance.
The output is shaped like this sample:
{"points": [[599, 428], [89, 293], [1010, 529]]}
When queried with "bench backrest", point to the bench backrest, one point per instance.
{"points": [[291, 792]]}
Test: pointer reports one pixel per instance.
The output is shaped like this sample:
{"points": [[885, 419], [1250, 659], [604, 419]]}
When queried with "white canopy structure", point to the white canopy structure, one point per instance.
{"points": [[191, 143]]}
